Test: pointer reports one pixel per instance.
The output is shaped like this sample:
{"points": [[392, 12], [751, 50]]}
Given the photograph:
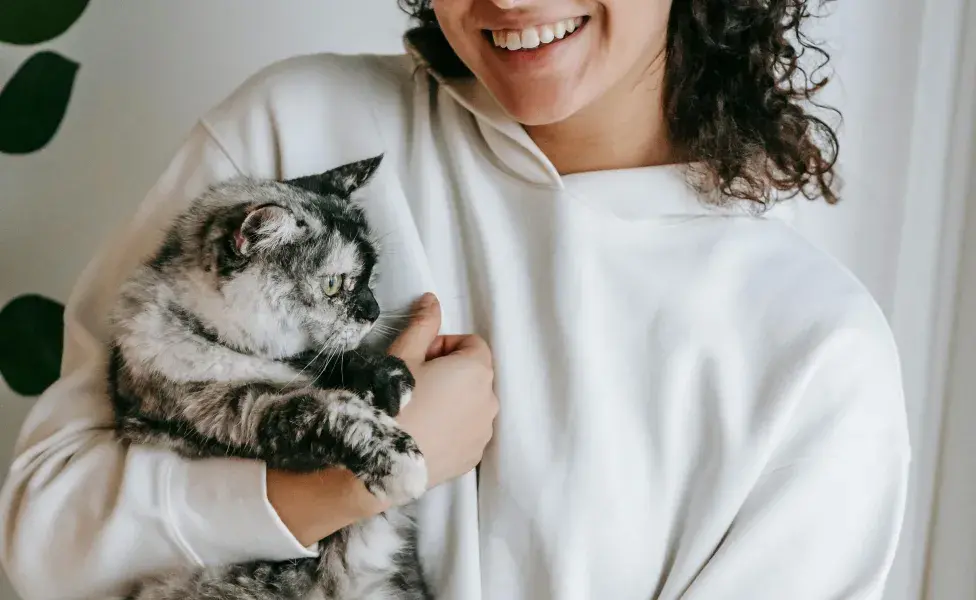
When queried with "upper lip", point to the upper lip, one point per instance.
{"points": [[515, 25]]}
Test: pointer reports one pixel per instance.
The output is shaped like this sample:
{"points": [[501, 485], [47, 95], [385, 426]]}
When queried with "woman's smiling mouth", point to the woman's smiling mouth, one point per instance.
{"points": [[531, 38]]}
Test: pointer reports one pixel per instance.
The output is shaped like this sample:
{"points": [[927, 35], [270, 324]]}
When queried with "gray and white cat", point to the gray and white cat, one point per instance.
{"points": [[239, 338]]}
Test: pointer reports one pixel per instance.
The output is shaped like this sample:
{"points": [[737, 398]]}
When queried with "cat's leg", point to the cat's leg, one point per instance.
{"points": [[303, 429], [383, 379], [289, 580], [339, 427]]}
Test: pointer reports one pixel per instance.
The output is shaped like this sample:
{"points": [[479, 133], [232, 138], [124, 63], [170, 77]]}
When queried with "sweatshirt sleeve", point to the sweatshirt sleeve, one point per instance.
{"points": [[823, 520], [82, 515]]}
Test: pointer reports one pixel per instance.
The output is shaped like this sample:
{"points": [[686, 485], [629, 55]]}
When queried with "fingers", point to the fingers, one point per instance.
{"points": [[419, 342], [421, 332], [443, 345], [468, 345]]}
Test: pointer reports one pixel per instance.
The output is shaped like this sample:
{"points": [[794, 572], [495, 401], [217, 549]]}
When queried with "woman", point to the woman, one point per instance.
{"points": [[695, 403]]}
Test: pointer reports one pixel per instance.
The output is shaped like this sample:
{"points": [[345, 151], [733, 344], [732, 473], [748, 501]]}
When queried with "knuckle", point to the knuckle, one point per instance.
{"points": [[480, 374], [480, 344], [421, 321], [486, 373]]}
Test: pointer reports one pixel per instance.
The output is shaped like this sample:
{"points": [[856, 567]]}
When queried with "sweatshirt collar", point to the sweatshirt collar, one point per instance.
{"points": [[647, 191], [505, 137]]}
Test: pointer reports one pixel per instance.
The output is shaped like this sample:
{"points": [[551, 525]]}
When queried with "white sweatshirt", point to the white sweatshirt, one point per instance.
{"points": [[695, 403]]}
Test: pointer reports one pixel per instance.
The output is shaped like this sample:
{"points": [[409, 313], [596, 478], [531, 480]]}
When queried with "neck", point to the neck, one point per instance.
{"points": [[624, 128]]}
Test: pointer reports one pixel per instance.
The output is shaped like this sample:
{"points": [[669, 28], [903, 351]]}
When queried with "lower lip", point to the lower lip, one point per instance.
{"points": [[540, 52]]}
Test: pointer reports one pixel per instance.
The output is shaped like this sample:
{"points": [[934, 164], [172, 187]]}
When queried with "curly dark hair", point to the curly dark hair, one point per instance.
{"points": [[736, 97]]}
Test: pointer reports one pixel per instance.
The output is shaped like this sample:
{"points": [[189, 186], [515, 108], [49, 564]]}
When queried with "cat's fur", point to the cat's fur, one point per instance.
{"points": [[227, 342]]}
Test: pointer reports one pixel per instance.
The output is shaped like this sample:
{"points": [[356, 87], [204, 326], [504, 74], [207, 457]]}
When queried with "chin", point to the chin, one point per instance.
{"points": [[540, 107], [353, 335], [533, 114]]}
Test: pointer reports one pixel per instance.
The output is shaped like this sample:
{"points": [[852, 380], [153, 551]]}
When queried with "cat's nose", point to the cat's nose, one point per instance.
{"points": [[369, 309]]}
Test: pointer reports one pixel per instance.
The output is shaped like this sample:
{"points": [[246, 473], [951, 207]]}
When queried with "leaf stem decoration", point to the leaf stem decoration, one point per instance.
{"points": [[32, 106], [31, 342], [28, 22], [34, 101]]}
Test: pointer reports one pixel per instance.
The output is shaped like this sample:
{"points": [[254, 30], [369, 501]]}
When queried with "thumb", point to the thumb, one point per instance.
{"points": [[425, 323]]}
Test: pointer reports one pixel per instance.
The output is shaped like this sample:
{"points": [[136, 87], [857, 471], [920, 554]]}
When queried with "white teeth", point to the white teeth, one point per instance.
{"points": [[530, 38], [546, 34], [513, 41], [533, 37]]}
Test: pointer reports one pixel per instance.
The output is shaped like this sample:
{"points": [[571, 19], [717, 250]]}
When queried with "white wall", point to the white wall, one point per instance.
{"points": [[150, 67]]}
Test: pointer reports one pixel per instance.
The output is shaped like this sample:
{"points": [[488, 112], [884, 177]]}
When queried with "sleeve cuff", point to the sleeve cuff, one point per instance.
{"points": [[219, 512]]}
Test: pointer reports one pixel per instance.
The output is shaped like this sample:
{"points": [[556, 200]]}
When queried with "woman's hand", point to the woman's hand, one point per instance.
{"points": [[450, 416], [452, 413]]}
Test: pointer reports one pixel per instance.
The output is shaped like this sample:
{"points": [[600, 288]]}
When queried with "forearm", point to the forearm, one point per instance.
{"points": [[315, 505], [84, 517]]}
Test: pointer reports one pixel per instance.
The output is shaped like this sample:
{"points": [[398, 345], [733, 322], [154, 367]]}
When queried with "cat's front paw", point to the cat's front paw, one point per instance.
{"points": [[393, 385], [401, 476]]}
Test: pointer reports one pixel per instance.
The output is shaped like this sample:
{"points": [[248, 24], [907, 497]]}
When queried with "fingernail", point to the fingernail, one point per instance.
{"points": [[427, 300]]}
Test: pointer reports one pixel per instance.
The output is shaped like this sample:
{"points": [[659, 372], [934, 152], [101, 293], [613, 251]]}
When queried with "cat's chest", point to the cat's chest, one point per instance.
{"points": [[369, 560], [371, 548]]}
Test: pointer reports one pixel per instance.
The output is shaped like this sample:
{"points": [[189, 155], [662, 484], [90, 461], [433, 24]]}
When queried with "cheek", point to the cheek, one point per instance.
{"points": [[453, 18], [329, 317], [312, 294], [637, 31], [450, 14]]}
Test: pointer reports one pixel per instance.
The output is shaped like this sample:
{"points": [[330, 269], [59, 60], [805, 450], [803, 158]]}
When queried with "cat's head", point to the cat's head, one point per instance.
{"points": [[278, 268]]}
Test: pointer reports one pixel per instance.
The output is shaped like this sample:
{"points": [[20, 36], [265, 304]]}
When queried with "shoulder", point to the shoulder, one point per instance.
{"points": [[307, 113], [812, 290], [816, 343], [785, 283], [827, 343], [317, 78]]}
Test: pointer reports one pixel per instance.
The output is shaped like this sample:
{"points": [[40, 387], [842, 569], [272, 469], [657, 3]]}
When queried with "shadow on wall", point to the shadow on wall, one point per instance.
{"points": [[33, 104]]}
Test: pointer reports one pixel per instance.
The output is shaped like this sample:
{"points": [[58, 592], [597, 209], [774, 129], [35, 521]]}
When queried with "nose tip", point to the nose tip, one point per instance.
{"points": [[370, 310], [373, 313]]}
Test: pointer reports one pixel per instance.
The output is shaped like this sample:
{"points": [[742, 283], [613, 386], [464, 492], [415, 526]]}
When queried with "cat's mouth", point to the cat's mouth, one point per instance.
{"points": [[353, 335]]}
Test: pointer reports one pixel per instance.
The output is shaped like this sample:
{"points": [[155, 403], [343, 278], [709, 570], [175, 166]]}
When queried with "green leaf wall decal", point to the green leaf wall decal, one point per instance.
{"points": [[31, 341], [34, 101], [27, 22]]}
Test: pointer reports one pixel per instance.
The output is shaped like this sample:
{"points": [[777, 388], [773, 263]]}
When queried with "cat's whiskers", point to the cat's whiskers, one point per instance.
{"points": [[307, 365], [333, 353], [386, 333], [383, 330]]}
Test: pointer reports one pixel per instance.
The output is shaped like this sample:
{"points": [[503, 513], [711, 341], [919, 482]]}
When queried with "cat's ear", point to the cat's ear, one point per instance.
{"points": [[342, 181], [265, 228]]}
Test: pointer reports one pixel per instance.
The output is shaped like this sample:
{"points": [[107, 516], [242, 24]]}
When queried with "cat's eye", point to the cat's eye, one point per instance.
{"points": [[333, 284]]}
